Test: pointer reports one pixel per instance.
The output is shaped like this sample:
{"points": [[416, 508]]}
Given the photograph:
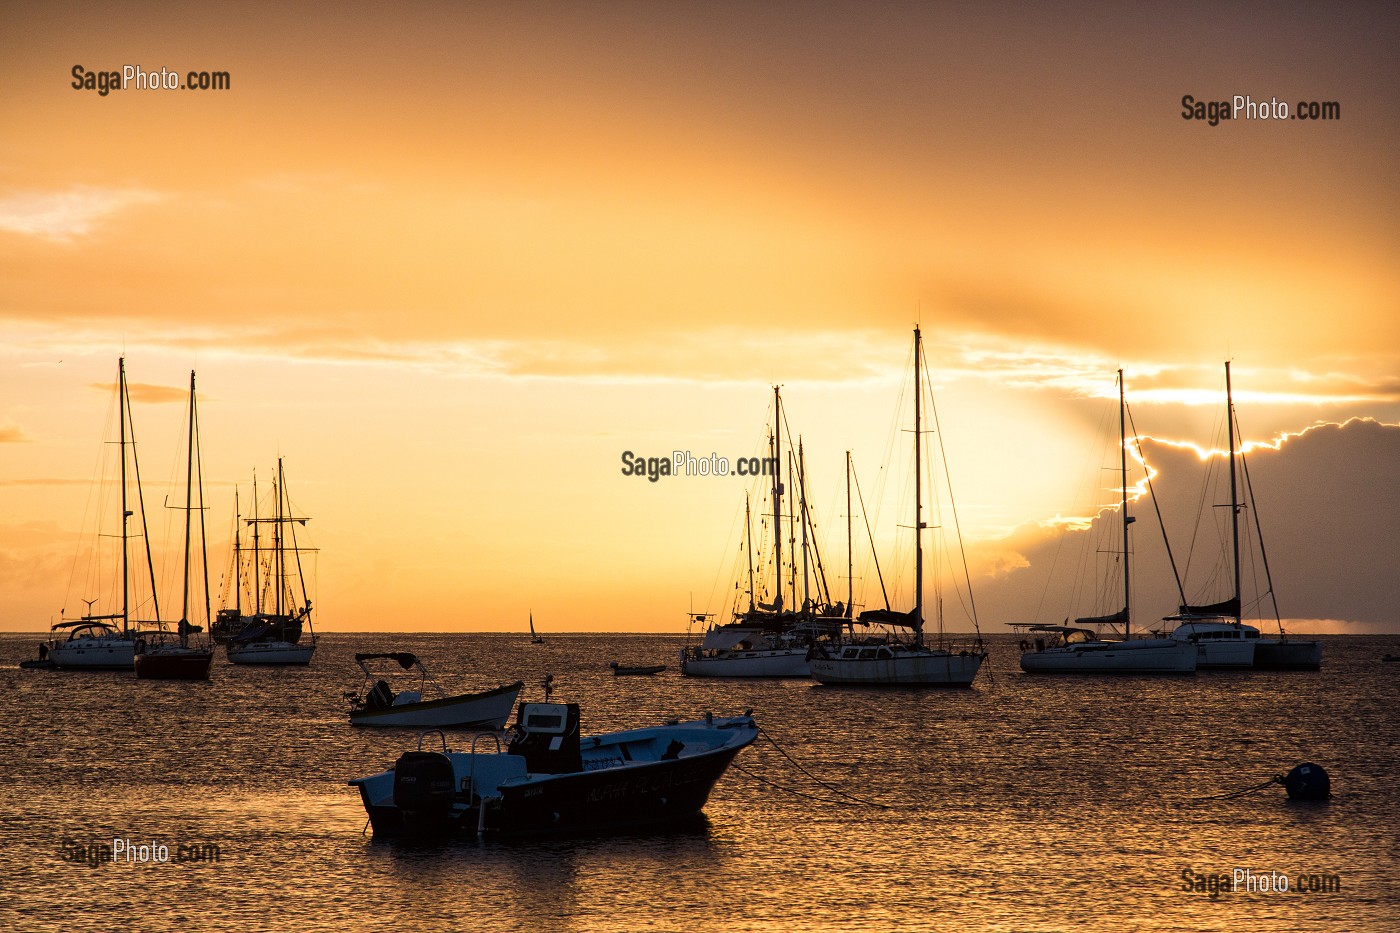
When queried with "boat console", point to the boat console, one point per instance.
{"points": [[547, 736]]}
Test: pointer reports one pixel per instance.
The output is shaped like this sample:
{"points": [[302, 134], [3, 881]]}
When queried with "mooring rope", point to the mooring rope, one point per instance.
{"points": [[798, 765], [1239, 793]]}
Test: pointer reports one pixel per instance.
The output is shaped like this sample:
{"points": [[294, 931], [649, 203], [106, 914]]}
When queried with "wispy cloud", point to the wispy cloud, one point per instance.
{"points": [[63, 216], [147, 393], [12, 434]]}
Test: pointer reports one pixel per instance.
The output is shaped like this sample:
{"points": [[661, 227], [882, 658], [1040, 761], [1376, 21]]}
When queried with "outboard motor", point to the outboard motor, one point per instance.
{"points": [[1307, 782], [380, 696], [424, 789]]}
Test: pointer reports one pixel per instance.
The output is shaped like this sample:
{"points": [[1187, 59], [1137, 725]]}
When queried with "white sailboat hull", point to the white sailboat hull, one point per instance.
{"points": [[766, 662], [270, 652], [1135, 656], [101, 653], [910, 668]]}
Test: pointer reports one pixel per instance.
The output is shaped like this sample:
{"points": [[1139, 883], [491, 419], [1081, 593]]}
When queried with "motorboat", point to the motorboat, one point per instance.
{"points": [[377, 704], [636, 670], [550, 780]]}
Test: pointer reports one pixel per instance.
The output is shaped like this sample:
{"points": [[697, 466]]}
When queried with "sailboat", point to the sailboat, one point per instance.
{"points": [[1068, 650], [1218, 630], [248, 570], [766, 639], [108, 640], [895, 662], [158, 658], [534, 638], [265, 637]]}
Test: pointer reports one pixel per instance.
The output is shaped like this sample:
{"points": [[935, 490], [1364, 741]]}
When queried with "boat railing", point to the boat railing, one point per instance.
{"points": [[439, 733], [471, 766]]}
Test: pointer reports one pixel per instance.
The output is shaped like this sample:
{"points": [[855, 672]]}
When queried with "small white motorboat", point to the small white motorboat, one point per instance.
{"points": [[378, 705]]}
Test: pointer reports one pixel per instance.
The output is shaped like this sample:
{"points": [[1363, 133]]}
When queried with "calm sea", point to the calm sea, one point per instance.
{"points": [[1023, 804]]}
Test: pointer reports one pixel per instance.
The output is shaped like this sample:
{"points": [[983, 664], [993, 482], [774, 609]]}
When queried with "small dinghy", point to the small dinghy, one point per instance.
{"points": [[636, 670], [548, 780], [378, 705]]}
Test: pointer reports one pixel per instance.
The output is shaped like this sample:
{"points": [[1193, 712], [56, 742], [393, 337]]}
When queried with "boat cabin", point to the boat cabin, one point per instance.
{"points": [[866, 653]]}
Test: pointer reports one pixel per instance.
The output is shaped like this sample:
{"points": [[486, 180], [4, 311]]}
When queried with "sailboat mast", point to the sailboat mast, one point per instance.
{"points": [[126, 512], [257, 550], [203, 529], [748, 549], [237, 556], [802, 518], [1123, 466], [778, 495], [1234, 493], [189, 502], [850, 560], [279, 555], [918, 506]]}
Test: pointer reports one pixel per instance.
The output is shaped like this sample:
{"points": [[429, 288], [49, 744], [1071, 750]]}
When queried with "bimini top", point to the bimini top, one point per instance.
{"points": [[84, 623]]}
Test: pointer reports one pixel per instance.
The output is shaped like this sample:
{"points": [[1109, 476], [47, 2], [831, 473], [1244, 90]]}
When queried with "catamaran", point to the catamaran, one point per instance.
{"points": [[1218, 630], [1074, 650]]}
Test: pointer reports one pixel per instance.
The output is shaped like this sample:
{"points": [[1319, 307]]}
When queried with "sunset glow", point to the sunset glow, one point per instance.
{"points": [[451, 263]]}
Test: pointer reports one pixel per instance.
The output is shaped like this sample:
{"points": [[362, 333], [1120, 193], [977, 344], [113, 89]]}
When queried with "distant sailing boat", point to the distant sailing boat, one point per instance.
{"points": [[267, 636], [534, 639], [161, 659], [1218, 630], [94, 641], [770, 639], [892, 662], [1061, 649]]}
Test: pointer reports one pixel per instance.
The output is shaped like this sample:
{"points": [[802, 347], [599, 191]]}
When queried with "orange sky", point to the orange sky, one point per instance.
{"points": [[451, 262]]}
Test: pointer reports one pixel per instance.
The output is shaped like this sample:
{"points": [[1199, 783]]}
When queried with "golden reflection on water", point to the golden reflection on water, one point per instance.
{"points": [[1024, 804]]}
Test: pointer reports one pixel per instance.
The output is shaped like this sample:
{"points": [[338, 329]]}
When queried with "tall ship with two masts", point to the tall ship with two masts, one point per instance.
{"points": [[268, 629], [772, 639]]}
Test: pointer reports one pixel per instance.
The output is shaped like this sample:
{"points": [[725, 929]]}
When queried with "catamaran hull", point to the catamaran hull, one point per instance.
{"points": [[777, 662], [94, 654], [270, 653], [489, 710], [936, 669], [1163, 657], [1288, 655], [1225, 655]]}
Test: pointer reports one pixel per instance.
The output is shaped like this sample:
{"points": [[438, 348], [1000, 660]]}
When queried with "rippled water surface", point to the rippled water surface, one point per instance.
{"points": [[1022, 804]]}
